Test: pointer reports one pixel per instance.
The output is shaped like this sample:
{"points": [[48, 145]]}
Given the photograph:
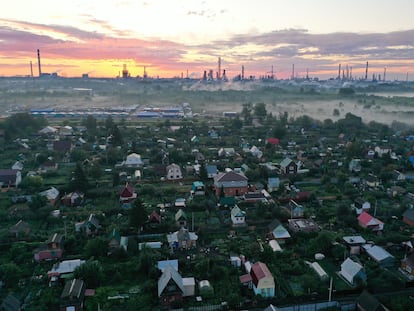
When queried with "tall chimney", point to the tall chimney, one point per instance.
{"points": [[38, 62]]}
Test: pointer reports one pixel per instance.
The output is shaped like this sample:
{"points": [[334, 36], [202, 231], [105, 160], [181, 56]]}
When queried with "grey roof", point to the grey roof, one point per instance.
{"points": [[409, 214], [169, 274], [355, 239], [230, 176], [351, 267], [378, 253], [10, 303], [73, 289]]}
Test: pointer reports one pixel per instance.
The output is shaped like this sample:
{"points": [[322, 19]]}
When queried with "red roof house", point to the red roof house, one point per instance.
{"points": [[365, 220], [127, 194]]}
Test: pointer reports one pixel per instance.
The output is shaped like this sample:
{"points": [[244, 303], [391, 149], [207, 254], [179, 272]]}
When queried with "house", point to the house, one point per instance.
{"points": [[17, 166], [238, 217], [276, 231], [398, 176], [10, 303], [226, 152], [154, 218], [211, 171], [10, 178], [51, 249], [91, 226], [275, 246], [255, 152], [114, 240], [368, 302], [133, 160], [296, 210], [62, 146], [170, 287], [407, 265], [354, 243], [353, 272], [174, 172], [181, 218], [182, 239], [21, 228], [48, 166], [180, 203], [354, 165], [48, 130], [361, 205], [383, 150], [372, 181], [288, 167], [127, 195], [63, 269], [73, 199], [51, 195], [303, 225], [273, 184], [198, 188], [205, 289], [162, 264], [73, 295], [365, 220], [66, 130], [408, 217], [231, 183], [262, 279], [379, 255]]}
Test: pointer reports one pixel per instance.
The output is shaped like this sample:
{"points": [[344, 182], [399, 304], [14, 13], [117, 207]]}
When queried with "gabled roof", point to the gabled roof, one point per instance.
{"points": [[163, 264], [378, 253], [237, 212], [368, 302], [73, 289], [10, 303], [154, 216], [259, 271], [409, 214], [55, 238], [368, 220], [410, 261], [230, 176], [351, 267], [180, 215], [277, 229], [169, 274], [286, 162]]}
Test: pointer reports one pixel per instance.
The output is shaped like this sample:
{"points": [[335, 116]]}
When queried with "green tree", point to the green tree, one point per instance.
{"points": [[79, 181], [260, 110], [91, 273], [10, 274], [37, 202], [95, 248], [137, 215]]}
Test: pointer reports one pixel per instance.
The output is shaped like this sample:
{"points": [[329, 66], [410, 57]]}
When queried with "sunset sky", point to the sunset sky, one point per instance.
{"points": [[171, 37]]}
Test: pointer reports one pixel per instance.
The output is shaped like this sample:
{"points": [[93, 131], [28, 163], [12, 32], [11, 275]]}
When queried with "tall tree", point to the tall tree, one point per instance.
{"points": [[137, 215], [79, 180]]}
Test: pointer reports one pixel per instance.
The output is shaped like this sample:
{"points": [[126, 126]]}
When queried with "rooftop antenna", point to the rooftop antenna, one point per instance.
{"points": [[38, 62]]}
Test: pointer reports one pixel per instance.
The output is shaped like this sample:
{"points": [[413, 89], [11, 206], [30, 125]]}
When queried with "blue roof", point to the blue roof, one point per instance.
{"points": [[162, 264], [198, 184]]}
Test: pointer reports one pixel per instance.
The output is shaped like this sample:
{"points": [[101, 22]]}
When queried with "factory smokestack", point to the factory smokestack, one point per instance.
{"points": [[38, 62]]}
